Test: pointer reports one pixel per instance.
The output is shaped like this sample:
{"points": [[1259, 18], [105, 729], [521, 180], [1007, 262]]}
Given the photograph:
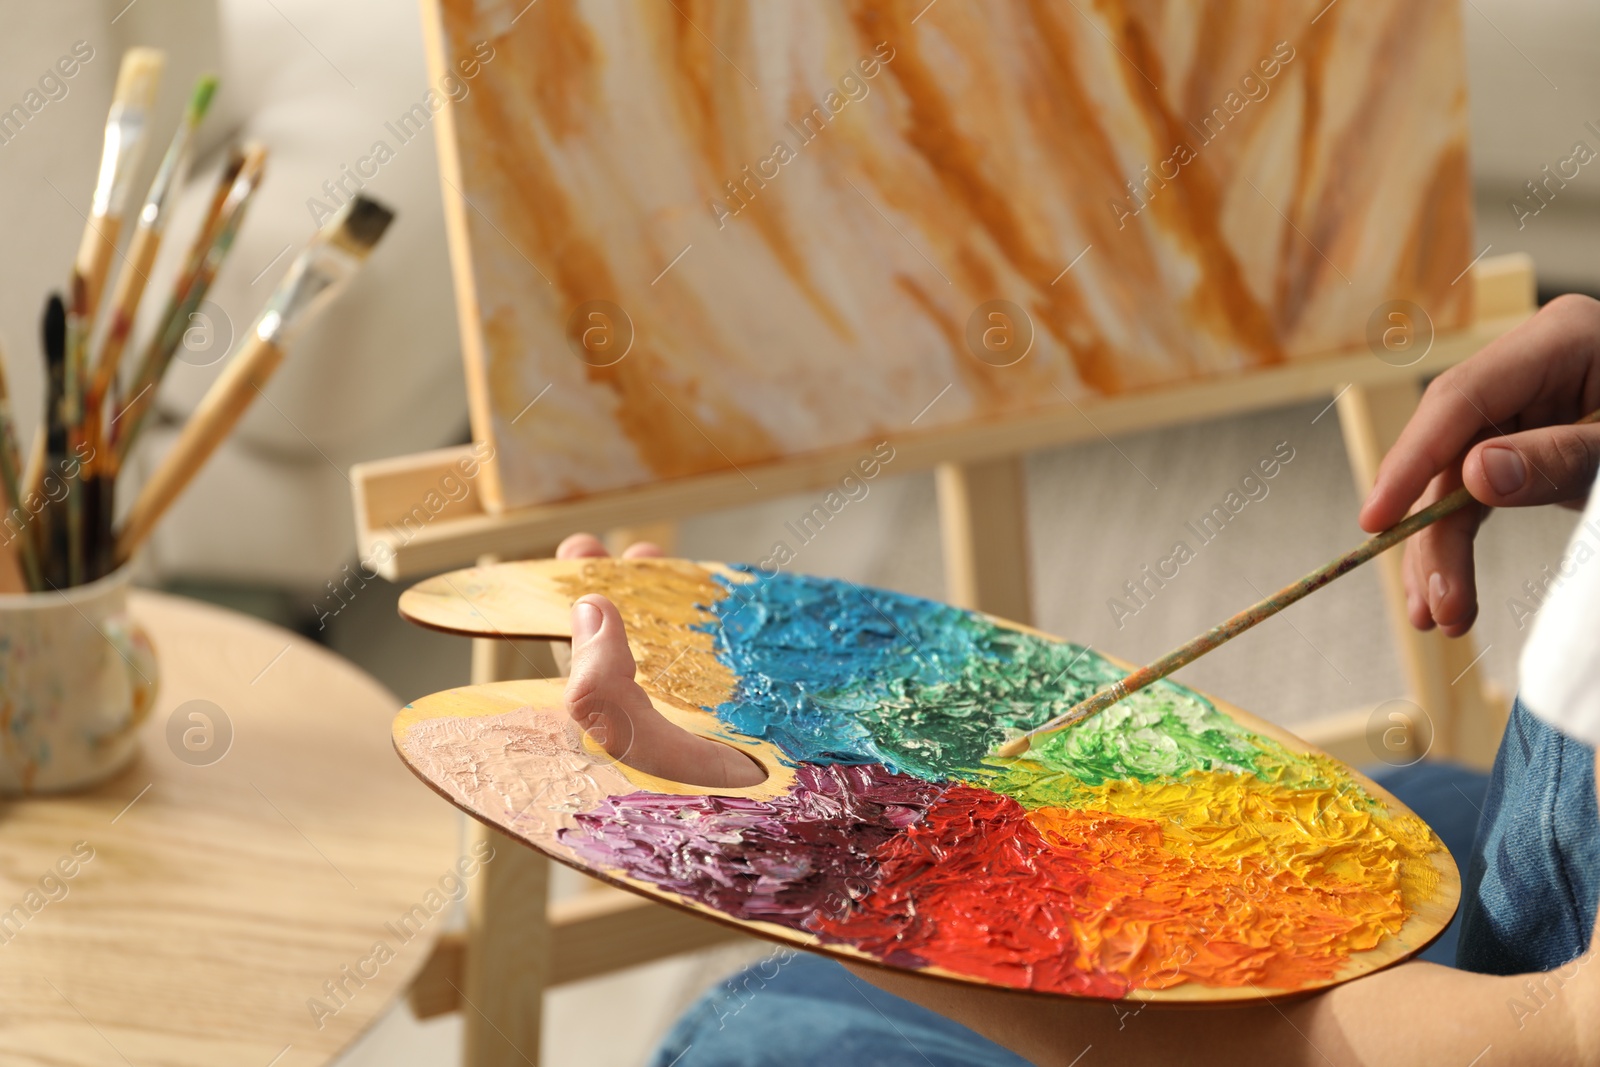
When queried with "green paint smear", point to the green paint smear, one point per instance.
{"points": [[1160, 732]]}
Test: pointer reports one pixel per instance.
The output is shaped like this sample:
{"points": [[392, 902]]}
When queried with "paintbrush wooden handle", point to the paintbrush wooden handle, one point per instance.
{"points": [[212, 421], [99, 244], [141, 259]]}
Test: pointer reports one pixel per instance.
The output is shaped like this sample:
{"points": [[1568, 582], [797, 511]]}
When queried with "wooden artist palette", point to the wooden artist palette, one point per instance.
{"points": [[1174, 848]]}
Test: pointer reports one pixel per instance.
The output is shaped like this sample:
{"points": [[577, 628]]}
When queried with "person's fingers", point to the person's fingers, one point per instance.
{"points": [[1416, 586], [1545, 466], [1446, 579], [1545, 371], [588, 546], [581, 546], [597, 694], [1441, 585], [598, 635]]}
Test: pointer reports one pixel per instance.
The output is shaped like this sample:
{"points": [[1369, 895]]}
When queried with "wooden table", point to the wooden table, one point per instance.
{"points": [[223, 893]]}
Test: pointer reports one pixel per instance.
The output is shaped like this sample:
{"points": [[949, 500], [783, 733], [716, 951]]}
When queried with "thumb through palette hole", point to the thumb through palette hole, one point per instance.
{"points": [[595, 747]]}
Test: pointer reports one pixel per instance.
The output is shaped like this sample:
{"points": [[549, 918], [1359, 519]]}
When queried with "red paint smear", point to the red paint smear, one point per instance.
{"points": [[975, 888], [1090, 904]]}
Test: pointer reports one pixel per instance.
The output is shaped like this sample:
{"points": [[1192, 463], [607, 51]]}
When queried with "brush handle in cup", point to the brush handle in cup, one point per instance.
{"points": [[211, 422]]}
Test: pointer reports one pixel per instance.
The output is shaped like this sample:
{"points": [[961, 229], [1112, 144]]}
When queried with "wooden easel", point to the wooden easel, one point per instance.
{"points": [[519, 943]]}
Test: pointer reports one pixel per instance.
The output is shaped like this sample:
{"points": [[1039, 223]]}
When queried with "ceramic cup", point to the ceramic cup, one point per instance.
{"points": [[77, 677]]}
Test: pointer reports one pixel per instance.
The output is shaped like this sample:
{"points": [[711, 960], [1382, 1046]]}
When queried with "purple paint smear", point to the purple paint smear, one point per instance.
{"points": [[796, 860]]}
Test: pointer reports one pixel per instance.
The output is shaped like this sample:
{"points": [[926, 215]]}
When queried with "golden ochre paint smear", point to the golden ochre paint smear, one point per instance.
{"points": [[666, 608]]}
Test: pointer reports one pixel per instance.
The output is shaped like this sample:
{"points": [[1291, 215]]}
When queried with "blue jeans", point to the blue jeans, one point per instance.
{"points": [[1531, 886], [795, 1008]]}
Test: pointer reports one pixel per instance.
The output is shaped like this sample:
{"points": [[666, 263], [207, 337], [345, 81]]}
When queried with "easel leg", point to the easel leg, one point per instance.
{"points": [[983, 519], [507, 961], [1441, 672]]}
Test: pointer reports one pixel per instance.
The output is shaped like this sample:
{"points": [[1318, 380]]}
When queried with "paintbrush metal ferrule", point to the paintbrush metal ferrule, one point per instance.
{"points": [[124, 137], [324, 268]]}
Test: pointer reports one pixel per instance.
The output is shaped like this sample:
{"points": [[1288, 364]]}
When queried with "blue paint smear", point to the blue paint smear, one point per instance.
{"points": [[832, 672]]}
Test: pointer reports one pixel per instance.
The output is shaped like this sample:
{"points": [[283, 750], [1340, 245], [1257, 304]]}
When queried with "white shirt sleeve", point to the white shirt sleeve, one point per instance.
{"points": [[1560, 669]]}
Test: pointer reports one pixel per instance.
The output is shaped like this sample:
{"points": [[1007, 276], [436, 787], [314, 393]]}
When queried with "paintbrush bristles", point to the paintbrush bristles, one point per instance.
{"points": [[139, 76], [200, 99], [364, 223]]}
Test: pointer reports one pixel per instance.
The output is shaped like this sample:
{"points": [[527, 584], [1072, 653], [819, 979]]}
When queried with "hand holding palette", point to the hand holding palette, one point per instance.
{"points": [[1171, 848]]}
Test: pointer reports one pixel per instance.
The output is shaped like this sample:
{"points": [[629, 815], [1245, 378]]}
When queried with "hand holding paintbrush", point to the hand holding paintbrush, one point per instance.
{"points": [[1244, 620]]}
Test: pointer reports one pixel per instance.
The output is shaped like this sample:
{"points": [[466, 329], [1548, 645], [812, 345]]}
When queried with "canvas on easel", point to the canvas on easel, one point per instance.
{"points": [[698, 236]]}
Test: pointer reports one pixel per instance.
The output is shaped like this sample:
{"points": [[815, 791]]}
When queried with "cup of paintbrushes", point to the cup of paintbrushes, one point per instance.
{"points": [[77, 678]]}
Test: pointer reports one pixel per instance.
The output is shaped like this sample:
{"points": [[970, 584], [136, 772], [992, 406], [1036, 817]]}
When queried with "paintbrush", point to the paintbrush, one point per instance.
{"points": [[11, 477], [1244, 620], [71, 465], [52, 446], [237, 184], [319, 273], [143, 247], [125, 141], [131, 282]]}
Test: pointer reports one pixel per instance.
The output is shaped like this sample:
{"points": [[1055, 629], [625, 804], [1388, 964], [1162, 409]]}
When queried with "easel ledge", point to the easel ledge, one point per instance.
{"points": [[389, 493]]}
